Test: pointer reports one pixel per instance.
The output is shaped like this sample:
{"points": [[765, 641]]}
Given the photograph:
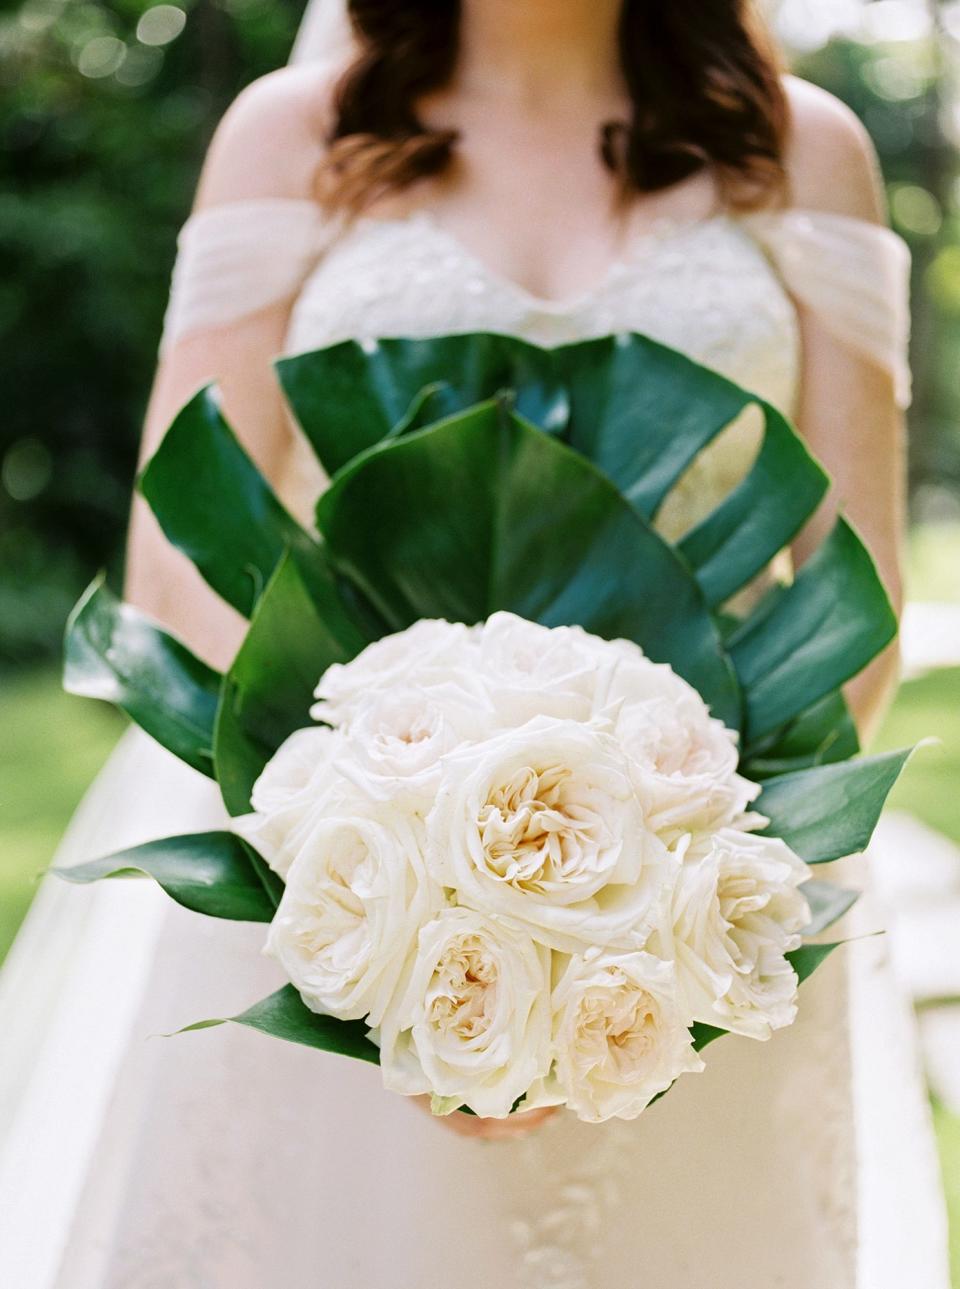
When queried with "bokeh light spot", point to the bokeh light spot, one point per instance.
{"points": [[161, 24], [26, 470], [915, 210], [101, 57]]}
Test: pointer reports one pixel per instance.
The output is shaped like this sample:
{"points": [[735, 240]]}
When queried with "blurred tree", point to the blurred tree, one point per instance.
{"points": [[895, 62], [105, 110]]}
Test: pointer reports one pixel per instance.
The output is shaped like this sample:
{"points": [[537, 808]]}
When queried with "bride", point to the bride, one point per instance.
{"points": [[555, 169]]}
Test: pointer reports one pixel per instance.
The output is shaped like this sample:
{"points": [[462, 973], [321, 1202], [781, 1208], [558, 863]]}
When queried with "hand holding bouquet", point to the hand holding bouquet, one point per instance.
{"points": [[549, 835]]}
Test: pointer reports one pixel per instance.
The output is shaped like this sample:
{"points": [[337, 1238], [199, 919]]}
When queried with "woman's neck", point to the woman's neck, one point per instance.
{"points": [[533, 50]]}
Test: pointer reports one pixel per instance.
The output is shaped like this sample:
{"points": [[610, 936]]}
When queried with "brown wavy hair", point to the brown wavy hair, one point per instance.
{"points": [[703, 76]]}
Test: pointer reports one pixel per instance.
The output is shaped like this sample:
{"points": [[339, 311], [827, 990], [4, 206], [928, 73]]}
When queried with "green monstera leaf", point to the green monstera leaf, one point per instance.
{"points": [[540, 532], [474, 473], [639, 411], [214, 505]]}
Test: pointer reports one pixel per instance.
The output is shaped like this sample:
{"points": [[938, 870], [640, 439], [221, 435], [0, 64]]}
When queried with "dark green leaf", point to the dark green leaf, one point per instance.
{"points": [[285, 1015], [641, 412], [821, 631], [350, 396], [115, 653], [828, 903], [269, 687], [638, 409], [705, 1034], [832, 810], [760, 516], [215, 506], [809, 957], [239, 753], [539, 531], [823, 734], [209, 872]]}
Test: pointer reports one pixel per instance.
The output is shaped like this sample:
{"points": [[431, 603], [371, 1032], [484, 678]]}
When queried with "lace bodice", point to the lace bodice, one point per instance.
{"points": [[723, 289], [410, 276]]}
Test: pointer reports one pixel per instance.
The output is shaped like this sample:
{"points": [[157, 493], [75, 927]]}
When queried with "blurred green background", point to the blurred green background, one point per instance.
{"points": [[106, 107]]}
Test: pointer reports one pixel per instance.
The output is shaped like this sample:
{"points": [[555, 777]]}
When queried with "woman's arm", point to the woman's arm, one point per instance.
{"points": [[266, 146], [848, 413]]}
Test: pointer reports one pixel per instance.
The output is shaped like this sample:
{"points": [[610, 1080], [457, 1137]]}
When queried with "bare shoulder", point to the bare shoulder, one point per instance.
{"points": [[271, 137], [831, 161]]}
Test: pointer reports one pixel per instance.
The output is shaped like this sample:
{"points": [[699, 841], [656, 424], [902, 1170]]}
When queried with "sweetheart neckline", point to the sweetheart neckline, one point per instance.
{"points": [[656, 233]]}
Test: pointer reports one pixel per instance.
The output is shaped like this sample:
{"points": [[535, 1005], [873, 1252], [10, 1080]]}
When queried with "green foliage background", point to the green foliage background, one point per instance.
{"points": [[102, 138]]}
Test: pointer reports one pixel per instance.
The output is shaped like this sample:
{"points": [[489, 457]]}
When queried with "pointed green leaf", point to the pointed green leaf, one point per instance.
{"points": [[215, 506], [268, 689], [820, 632], [809, 957], [831, 811], [208, 872], [117, 654], [539, 531], [285, 1015], [239, 753], [758, 519], [290, 644], [705, 1034], [823, 734]]}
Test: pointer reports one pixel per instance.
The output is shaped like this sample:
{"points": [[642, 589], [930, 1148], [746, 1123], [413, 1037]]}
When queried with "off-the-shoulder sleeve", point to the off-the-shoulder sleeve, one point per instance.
{"points": [[854, 275], [240, 257]]}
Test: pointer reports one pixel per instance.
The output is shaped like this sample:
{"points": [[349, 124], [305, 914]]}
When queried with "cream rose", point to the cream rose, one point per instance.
{"points": [[397, 737], [541, 824], [687, 759], [472, 1025], [530, 670], [737, 911], [620, 1035], [431, 652], [298, 785], [356, 895]]}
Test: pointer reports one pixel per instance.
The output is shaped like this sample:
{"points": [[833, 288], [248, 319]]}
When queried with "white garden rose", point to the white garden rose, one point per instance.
{"points": [[356, 895], [542, 824], [532, 670], [737, 911], [398, 736], [620, 1035], [431, 652], [686, 757], [472, 1025], [298, 785], [293, 767]]}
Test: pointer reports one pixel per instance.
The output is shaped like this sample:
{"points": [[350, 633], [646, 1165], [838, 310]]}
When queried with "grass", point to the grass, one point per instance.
{"points": [[948, 1139], [52, 747], [928, 708]]}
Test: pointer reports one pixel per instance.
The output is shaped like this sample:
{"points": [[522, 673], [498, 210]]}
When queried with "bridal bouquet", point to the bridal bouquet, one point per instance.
{"points": [[529, 810]]}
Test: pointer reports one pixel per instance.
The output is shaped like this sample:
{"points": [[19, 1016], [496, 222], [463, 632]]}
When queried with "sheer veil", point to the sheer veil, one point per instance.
{"points": [[324, 32]]}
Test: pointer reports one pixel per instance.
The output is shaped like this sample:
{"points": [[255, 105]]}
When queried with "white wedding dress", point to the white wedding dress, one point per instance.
{"points": [[226, 1160]]}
